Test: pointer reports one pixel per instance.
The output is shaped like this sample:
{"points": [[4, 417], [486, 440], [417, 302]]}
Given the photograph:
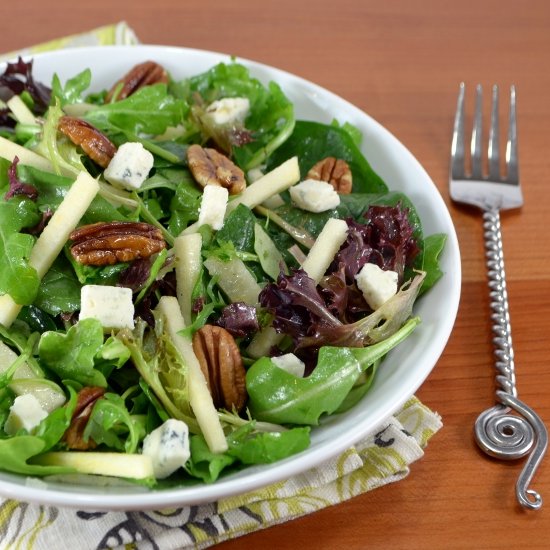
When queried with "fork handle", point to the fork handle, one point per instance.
{"points": [[500, 315], [499, 433]]}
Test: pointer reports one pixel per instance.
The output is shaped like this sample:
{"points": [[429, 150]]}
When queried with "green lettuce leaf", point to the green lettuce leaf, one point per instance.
{"points": [[16, 452], [280, 397], [17, 278], [74, 88], [245, 447], [271, 117], [59, 290], [111, 424], [71, 355], [161, 366], [150, 110], [313, 141]]}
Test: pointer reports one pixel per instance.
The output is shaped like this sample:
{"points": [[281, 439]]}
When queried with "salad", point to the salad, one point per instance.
{"points": [[192, 278]]}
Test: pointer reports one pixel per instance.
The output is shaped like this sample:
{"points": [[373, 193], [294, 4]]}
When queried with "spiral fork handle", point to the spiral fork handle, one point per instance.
{"points": [[510, 437], [499, 433]]}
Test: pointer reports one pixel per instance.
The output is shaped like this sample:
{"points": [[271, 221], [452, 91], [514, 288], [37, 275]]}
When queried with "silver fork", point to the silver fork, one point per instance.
{"points": [[498, 432]]}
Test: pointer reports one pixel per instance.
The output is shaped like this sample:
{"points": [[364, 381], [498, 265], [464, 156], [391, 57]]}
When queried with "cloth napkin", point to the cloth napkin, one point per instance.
{"points": [[382, 457]]}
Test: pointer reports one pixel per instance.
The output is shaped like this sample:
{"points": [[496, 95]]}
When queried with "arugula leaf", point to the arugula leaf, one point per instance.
{"points": [[19, 336], [71, 355], [184, 206], [150, 110], [111, 424], [238, 229], [72, 91], [266, 447], [16, 452], [245, 447], [204, 464], [17, 278], [433, 246], [278, 396]]}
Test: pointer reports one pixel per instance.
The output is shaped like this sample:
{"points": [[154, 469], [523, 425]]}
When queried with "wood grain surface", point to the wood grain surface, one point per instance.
{"points": [[401, 62]]}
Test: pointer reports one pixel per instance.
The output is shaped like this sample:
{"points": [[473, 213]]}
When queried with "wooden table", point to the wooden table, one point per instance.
{"points": [[402, 61]]}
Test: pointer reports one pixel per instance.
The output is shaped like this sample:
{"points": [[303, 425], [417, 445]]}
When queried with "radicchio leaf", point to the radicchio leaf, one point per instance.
{"points": [[165, 287], [39, 227], [373, 328], [17, 187], [296, 305], [239, 319], [18, 78], [136, 274], [386, 239]]}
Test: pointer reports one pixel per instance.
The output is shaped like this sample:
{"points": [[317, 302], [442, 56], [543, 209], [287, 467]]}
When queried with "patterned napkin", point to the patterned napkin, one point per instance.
{"points": [[382, 457]]}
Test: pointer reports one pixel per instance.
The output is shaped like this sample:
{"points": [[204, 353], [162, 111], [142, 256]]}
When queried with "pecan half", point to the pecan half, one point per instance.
{"points": [[209, 167], [335, 171], [74, 435], [222, 366], [93, 142], [107, 243], [143, 74]]}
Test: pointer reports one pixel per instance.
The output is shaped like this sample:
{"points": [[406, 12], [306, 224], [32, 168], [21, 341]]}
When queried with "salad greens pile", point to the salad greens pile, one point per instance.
{"points": [[103, 392]]}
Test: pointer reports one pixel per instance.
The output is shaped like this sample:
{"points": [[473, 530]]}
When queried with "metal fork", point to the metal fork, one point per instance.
{"points": [[498, 432]]}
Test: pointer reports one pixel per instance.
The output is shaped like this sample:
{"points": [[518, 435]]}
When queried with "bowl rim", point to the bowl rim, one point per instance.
{"points": [[256, 477]]}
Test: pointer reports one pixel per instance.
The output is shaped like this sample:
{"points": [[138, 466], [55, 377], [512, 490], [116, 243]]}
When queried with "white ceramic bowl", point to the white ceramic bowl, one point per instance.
{"points": [[401, 373]]}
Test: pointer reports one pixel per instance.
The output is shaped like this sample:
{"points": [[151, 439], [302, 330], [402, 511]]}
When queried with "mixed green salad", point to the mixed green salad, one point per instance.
{"points": [[187, 284]]}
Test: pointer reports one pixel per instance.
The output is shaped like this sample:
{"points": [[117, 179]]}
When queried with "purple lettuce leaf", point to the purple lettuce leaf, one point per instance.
{"points": [[16, 186], [239, 319], [16, 79], [335, 311]]}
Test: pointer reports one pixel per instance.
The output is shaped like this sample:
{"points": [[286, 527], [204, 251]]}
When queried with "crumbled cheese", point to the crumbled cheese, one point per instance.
{"points": [[111, 305], [168, 447], [26, 413], [130, 166], [314, 196], [377, 285], [213, 206], [228, 110], [291, 364]]}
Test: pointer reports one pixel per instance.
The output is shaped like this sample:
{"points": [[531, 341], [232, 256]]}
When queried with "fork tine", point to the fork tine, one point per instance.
{"points": [[494, 145], [457, 147], [476, 135], [512, 175]]}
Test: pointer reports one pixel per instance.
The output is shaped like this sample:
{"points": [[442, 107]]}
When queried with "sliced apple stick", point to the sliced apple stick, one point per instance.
{"points": [[20, 111], [199, 396], [10, 150], [324, 248], [234, 279], [135, 466], [188, 267], [279, 179], [51, 241]]}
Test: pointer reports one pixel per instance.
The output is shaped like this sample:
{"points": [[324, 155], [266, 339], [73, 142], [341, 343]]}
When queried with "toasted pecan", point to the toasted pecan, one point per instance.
{"points": [[142, 74], [222, 365], [74, 435], [334, 171], [93, 142], [209, 167], [107, 243]]}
